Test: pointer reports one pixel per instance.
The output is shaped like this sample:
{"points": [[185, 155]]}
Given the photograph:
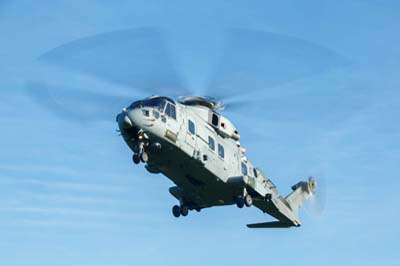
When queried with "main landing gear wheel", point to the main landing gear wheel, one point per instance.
{"points": [[144, 157], [184, 210], [240, 202], [136, 158], [248, 200], [176, 211]]}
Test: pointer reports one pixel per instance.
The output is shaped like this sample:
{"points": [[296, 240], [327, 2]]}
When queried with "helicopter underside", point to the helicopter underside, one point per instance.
{"points": [[196, 187]]}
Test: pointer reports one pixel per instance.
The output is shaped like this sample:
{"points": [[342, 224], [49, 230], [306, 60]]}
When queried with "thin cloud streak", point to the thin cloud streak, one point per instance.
{"points": [[64, 212], [63, 185]]}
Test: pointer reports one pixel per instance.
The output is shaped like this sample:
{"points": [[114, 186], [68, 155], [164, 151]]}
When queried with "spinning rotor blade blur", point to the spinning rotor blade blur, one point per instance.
{"points": [[77, 105], [136, 58], [256, 60], [139, 61], [135, 61]]}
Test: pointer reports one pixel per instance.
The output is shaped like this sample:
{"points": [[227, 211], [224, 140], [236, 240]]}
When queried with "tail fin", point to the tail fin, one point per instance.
{"points": [[301, 192], [285, 210]]}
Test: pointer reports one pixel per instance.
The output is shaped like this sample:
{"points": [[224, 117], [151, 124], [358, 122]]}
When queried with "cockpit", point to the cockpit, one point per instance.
{"points": [[164, 105]]}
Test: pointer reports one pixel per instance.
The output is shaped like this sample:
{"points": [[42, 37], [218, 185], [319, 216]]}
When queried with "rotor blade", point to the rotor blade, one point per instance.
{"points": [[77, 105], [135, 58], [256, 60]]}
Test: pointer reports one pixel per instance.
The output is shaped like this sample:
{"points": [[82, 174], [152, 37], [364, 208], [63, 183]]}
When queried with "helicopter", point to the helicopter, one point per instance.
{"points": [[185, 138], [198, 149]]}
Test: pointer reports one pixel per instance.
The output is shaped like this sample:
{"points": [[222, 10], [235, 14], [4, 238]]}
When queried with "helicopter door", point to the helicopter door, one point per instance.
{"points": [[191, 132], [172, 122]]}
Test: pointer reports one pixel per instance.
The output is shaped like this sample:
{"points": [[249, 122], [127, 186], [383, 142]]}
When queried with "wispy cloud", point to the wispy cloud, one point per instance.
{"points": [[63, 184], [65, 198], [65, 212], [29, 168]]}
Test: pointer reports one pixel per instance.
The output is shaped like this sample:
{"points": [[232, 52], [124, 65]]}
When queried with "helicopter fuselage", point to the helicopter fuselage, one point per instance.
{"points": [[183, 146], [198, 150]]}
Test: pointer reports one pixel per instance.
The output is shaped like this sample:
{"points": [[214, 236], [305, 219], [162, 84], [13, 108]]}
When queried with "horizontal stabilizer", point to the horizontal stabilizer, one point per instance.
{"points": [[276, 224]]}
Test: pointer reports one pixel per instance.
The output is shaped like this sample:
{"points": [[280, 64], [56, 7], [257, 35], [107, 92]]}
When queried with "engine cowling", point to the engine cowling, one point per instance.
{"points": [[228, 129], [223, 126]]}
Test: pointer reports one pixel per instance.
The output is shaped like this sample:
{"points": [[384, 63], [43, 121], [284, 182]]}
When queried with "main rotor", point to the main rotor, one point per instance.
{"points": [[208, 102]]}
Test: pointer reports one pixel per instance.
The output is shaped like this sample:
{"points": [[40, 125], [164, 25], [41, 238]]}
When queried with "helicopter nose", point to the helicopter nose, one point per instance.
{"points": [[123, 120]]}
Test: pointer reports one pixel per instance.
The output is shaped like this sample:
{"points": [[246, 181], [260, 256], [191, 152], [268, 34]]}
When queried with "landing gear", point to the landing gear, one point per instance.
{"points": [[242, 201], [180, 210], [248, 200], [144, 157], [140, 155], [184, 210], [136, 158], [176, 211], [239, 202]]}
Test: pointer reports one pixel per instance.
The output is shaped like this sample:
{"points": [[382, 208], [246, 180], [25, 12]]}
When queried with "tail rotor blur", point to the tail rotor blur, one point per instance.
{"points": [[317, 201]]}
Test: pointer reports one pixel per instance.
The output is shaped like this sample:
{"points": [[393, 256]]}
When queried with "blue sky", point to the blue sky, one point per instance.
{"points": [[69, 194]]}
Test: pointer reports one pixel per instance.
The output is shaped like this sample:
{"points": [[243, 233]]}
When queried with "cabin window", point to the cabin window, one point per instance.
{"points": [[170, 111], [215, 120], [255, 172], [191, 127], [211, 143], [244, 168], [221, 151]]}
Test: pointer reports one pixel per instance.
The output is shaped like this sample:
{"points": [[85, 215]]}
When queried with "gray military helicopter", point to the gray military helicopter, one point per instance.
{"points": [[187, 139], [198, 149]]}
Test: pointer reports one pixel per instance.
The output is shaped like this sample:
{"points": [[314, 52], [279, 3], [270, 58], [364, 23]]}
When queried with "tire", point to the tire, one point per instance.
{"points": [[184, 210], [239, 202], [136, 158], [248, 200], [176, 211], [144, 157]]}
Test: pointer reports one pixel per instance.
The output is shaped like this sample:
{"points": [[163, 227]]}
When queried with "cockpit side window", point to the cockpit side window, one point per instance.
{"points": [[170, 111]]}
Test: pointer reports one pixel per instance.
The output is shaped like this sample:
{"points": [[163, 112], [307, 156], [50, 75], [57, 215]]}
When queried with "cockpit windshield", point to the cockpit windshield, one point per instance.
{"points": [[156, 102]]}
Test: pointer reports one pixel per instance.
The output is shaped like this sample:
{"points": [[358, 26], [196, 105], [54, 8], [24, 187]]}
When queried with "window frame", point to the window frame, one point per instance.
{"points": [[255, 172], [221, 149], [168, 109], [211, 140], [212, 119], [245, 170], [194, 127]]}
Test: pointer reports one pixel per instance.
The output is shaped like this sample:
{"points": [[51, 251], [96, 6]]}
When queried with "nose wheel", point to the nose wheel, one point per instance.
{"points": [[136, 158], [144, 157], [141, 155]]}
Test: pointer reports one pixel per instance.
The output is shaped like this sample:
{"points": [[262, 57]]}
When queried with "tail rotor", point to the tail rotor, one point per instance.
{"points": [[317, 201]]}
